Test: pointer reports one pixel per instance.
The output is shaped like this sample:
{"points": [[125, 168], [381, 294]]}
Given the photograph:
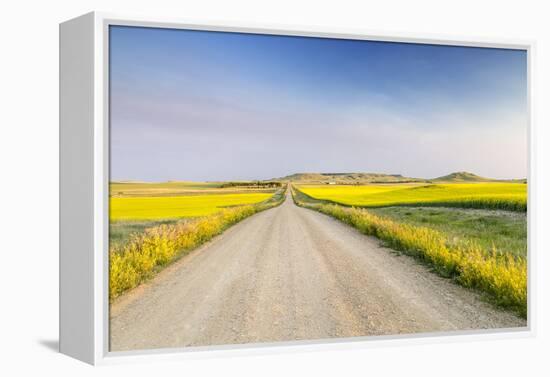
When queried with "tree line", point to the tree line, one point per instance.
{"points": [[255, 184]]}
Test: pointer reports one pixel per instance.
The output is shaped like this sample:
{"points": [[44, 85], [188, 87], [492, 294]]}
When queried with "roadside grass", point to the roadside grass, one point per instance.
{"points": [[502, 276], [147, 252], [498, 196], [121, 231], [503, 231]]}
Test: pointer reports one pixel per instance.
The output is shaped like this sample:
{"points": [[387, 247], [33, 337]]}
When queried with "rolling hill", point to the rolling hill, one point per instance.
{"points": [[348, 178], [462, 176], [365, 178]]}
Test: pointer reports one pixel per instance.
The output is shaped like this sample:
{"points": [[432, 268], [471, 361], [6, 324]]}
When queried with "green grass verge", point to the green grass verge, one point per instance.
{"points": [[120, 232], [500, 230]]}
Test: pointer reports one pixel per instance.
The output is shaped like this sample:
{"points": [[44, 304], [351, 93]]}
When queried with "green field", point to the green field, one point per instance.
{"points": [[499, 230], [508, 196], [121, 231]]}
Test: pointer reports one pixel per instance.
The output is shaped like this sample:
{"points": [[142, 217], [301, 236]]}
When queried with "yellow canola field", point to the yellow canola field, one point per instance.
{"points": [[173, 207], [507, 196]]}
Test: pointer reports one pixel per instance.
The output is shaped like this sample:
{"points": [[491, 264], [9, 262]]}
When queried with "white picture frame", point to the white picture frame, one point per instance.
{"points": [[84, 176]]}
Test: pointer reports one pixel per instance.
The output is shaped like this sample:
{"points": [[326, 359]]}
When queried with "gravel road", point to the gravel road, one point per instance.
{"points": [[290, 273]]}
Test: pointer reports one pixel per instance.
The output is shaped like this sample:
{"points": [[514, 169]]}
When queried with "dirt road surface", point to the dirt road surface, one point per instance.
{"points": [[290, 273]]}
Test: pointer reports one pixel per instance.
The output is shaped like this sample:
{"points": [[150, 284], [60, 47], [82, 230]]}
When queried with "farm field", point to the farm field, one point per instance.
{"points": [[507, 196], [136, 206], [175, 188], [174, 207]]}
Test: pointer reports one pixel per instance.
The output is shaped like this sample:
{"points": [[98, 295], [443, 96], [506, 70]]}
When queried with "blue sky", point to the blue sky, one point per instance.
{"points": [[195, 105]]}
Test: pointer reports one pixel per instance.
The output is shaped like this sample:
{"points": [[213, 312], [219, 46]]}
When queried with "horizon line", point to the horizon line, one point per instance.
{"points": [[321, 173]]}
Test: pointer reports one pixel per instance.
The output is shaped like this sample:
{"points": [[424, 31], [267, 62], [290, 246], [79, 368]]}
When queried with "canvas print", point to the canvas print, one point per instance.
{"points": [[270, 188]]}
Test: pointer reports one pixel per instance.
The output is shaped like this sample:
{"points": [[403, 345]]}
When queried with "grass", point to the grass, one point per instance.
{"points": [[147, 252], [174, 207], [503, 231], [505, 196], [121, 231], [502, 276]]}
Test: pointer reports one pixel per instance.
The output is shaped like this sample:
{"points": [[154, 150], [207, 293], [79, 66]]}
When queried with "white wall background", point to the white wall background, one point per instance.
{"points": [[29, 189]]}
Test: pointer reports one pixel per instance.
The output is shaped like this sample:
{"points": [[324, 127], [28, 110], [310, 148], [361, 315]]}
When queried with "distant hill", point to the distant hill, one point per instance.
{"points": [[365, 178], [347, 178], [462, 176]]}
